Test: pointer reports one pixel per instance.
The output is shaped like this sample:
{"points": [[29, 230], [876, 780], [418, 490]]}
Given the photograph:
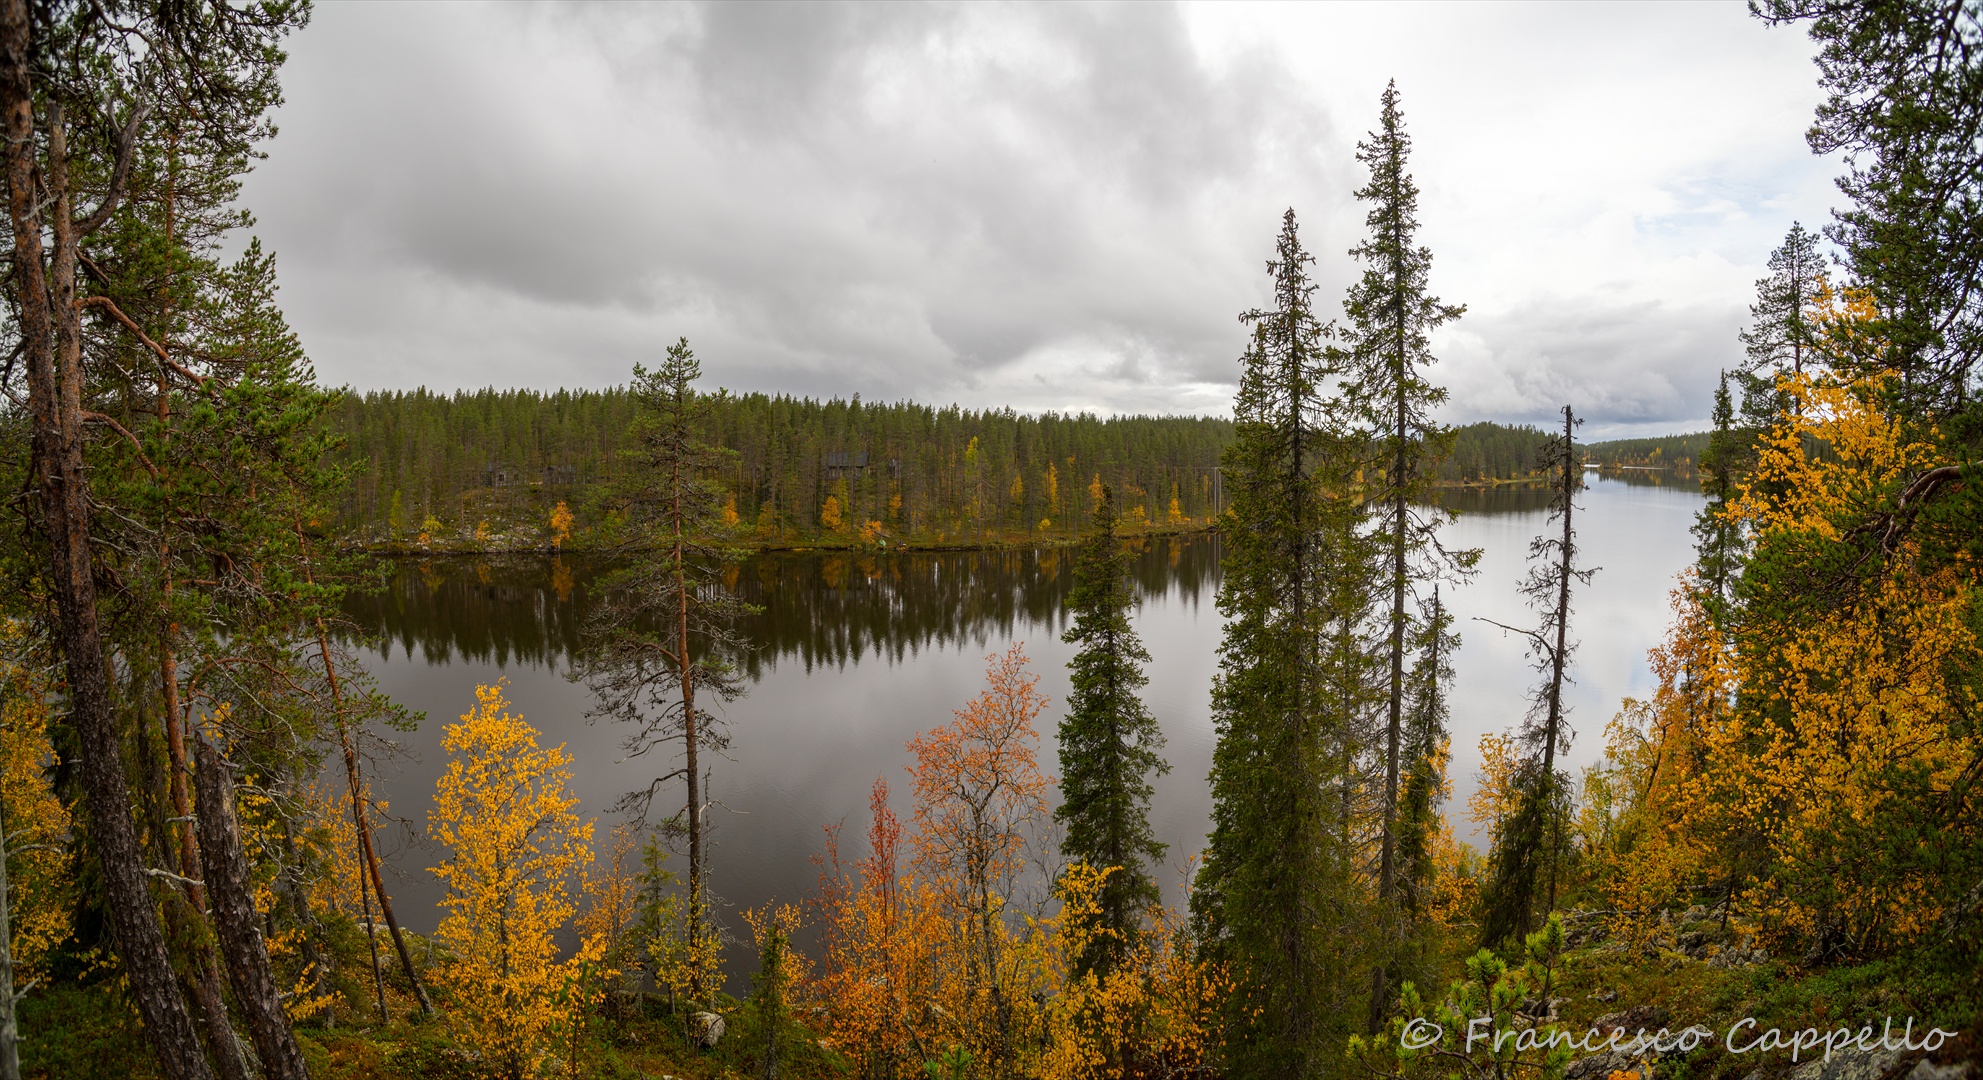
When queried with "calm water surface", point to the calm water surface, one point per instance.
{"points": [[857, 654]]}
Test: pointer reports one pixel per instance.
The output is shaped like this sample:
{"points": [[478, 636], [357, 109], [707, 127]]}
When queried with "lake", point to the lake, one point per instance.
{"points": [[856, 654]]}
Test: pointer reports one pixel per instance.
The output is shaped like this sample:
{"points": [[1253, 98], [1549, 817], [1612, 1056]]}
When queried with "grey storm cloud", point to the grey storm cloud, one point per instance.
{"points": [[1042, 206]]}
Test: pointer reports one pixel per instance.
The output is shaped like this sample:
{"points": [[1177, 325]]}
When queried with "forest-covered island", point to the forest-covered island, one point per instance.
{"points": [[1783, 834]]}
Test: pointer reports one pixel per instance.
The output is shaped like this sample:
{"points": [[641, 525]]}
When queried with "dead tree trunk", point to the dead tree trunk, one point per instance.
{"points": [[1559, 654], [360, 820]]}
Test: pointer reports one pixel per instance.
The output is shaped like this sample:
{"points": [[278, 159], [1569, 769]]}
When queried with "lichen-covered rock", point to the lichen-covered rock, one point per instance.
{"points": [[707, 1029], [1738, 956], [1849, 1064], [1599, 1066], [1928, 1070], [1646, 1018]]}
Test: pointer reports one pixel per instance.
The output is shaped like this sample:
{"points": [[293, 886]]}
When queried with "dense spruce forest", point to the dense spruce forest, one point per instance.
{"points": [[804, 470], [798, 468]]}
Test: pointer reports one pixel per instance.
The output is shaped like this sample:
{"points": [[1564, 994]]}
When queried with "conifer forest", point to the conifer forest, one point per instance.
{"points": [[1756, 865]]}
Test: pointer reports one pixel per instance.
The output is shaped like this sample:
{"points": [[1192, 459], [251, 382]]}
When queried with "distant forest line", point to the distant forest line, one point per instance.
{"points": [[489, 465]]}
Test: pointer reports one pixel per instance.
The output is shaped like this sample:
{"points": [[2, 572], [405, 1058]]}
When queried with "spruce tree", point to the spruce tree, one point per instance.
{"points": [[1392, 314], [1109, 743], [1426, 750], [1276, 897], [1719, 543]]}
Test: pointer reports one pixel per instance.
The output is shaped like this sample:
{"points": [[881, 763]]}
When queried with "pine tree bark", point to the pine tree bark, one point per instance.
{"points": [[689, 734], [205, 981], [183, 919], [237, 924], [51, 335]]}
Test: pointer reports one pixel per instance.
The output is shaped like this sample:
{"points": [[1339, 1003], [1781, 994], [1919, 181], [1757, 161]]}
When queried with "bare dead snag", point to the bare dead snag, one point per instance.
{"points": [[361, 820]]}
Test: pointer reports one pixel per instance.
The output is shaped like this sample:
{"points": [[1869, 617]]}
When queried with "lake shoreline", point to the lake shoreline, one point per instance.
{"points": [[754, 546], [506, 543]]}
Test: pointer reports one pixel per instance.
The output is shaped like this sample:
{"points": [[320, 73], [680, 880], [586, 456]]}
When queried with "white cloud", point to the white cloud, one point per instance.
{"points": [[1040, 207]]}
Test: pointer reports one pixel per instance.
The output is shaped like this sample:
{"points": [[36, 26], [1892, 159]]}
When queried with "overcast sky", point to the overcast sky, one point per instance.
{"points": [[1047, 207]]}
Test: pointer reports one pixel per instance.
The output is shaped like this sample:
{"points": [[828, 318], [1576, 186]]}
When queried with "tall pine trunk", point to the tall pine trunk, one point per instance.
{"points": [[51, 333], [689, 733], [237, 924]]}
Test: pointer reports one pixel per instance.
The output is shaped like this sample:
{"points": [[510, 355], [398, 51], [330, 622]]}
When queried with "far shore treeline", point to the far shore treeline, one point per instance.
{"points": [[498, 462]]}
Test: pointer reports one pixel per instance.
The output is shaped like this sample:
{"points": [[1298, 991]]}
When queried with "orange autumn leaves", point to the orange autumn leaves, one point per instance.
{"points": [[979, 788], [938, 960]]}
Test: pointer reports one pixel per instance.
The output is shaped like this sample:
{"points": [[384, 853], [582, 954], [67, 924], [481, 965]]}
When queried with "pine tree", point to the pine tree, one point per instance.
{"points": [[1781, 335], [1392, 314], [1276, 891], [131, 168], [662, 632], [1531, 841], [1109, 744], [1905, 97]]}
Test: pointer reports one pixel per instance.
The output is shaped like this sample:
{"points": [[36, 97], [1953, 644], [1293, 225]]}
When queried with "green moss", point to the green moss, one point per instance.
{"points": [[70, 1029]]}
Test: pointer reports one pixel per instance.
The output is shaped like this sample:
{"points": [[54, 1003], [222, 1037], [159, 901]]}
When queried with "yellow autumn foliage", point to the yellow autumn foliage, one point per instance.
{"points": [[561, 522], [32, 820], [1155, 1014], [1802, 759], [514, 846], [1495, 795]]}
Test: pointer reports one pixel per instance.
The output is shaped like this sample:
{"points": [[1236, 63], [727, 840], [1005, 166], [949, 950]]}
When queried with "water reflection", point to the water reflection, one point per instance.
{"points": [[818, 608], [857, 653]]}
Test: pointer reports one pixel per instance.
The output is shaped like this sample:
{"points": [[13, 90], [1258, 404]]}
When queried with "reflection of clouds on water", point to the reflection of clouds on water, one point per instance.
{"points": [[1636, 533], [811, 736]]}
